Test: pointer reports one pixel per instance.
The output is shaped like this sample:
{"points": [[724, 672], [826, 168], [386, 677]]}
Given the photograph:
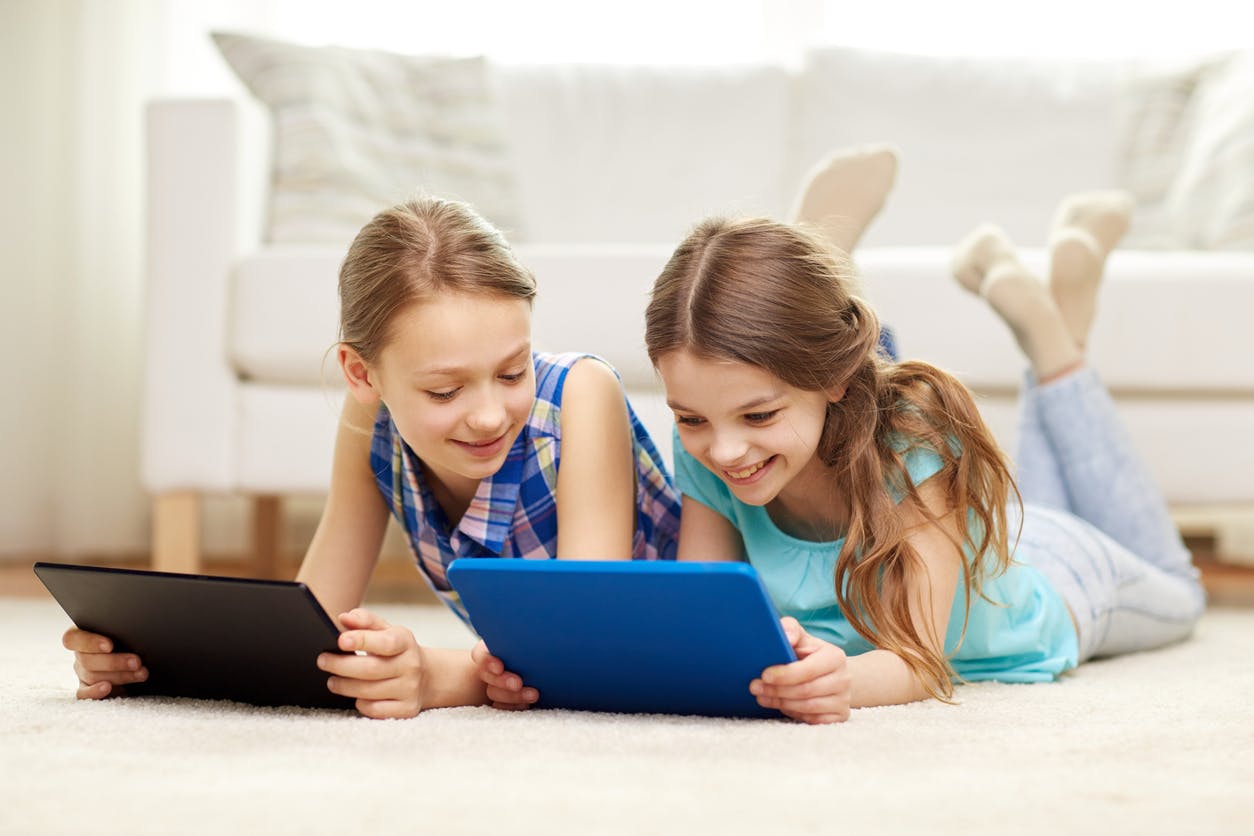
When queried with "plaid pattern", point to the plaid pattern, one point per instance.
{"points": [[514, 513]]}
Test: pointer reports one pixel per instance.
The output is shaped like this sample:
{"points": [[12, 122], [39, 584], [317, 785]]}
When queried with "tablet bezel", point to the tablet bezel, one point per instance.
{"points": [[206, 636]]}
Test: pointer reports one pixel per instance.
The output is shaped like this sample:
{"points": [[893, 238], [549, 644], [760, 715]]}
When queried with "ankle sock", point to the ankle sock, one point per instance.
{"points": [[985, 263], [844, 192], [1086, 227]]}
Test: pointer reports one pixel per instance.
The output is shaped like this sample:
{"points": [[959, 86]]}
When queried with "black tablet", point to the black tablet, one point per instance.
{"points": [[203, 636], [627, 636]]}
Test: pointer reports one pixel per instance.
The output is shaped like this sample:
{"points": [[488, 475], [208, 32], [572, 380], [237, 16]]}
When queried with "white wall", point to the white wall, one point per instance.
{"points": [[76, 74], [72, 283], [33, 153]]}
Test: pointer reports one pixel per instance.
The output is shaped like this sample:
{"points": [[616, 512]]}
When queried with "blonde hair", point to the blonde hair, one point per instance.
{"points": [[413, 251], [780, 298]]}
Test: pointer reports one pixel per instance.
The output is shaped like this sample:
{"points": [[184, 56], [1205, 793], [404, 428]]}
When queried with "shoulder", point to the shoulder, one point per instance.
{"points": [[592, 377], [560, 376], [915, 440]]}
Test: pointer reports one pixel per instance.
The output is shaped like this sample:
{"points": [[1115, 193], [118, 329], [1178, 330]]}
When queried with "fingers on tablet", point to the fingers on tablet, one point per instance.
{"points": [[81, 641]]}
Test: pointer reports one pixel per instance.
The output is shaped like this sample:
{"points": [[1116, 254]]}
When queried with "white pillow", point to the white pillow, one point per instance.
{"points": [[356, 131], [1211, 201], [1158, 103]]}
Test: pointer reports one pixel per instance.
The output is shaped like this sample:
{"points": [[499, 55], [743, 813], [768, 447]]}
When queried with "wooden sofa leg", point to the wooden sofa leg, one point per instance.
{"points": [[267, 536], [176, 532], [1234, 541]]}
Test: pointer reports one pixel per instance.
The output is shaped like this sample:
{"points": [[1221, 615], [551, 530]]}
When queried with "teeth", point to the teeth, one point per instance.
{"points": [[747, 472]]}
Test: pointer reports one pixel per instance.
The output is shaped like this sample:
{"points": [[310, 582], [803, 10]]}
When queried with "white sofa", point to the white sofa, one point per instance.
{"points": [[611, 165]]}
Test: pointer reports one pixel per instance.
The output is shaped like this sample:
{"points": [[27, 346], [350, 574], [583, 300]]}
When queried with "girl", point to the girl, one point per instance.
{"points": [[870, 495], [476, 444]]}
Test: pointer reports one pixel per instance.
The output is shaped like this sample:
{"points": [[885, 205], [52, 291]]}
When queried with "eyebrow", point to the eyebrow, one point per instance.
{"points": [[524, 348], [744, 407]]}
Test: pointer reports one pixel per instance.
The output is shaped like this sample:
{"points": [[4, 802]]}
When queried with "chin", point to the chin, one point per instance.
{"points": [[753, 494], [484, 469]]}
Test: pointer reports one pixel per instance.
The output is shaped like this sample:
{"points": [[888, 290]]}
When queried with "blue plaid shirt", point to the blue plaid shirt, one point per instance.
{"points": [[514, 512]]}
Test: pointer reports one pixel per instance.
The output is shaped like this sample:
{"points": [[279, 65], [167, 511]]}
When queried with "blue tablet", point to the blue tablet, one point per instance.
{"points": [[627, 636]]}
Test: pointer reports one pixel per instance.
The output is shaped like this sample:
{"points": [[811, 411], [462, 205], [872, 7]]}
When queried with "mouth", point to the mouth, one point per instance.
{"points": [[485, 449], [748, 475]]}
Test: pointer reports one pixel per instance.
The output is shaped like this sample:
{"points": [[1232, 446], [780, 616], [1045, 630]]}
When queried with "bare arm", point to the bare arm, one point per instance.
{"points": [[596, 498], [880, 677], [346, 544], [398, 677], [706, 535], [596, 485]]}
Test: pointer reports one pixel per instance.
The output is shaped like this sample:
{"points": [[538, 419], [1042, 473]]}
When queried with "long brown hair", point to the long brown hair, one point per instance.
{"points": [[780, 298], [416, 249]]}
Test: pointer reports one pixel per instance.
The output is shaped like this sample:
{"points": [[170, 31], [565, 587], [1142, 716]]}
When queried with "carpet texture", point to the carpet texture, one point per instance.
{"points": [[1158, 742]]}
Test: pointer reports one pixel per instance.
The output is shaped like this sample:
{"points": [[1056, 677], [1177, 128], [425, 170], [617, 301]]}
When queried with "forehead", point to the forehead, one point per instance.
{"points": [[459, 329], [687, 375]]}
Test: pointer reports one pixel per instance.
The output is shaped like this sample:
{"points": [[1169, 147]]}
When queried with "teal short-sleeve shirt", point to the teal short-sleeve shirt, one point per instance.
{"points": [[1024, 634]]}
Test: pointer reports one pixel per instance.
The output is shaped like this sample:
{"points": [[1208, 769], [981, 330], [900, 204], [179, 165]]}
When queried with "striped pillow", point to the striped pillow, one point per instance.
{"points": [[1211, 200], [358, 130]]}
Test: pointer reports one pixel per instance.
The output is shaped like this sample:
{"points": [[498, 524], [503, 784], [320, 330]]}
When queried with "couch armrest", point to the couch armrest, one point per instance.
{"points": [[193, 163]]}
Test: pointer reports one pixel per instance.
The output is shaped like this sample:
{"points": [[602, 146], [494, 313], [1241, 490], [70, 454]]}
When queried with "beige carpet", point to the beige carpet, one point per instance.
{"points": [[1161, 742]]}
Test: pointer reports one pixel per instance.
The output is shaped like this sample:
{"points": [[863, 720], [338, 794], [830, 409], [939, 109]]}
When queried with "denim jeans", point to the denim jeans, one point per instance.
{"points": [[1095, 524]]}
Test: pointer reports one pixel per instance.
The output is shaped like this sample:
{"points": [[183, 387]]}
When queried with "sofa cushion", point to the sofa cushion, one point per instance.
{"points": [[998, 139], [1146, 338], [356, 130], [636, 154], [284, 315]]}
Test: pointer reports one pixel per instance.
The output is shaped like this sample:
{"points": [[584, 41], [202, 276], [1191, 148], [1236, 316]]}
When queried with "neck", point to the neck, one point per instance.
{"points": [[452, 492], [811, 506]]}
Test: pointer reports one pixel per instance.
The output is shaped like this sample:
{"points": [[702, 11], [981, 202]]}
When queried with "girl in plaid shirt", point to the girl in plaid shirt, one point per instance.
{"points": [[477, 445]]}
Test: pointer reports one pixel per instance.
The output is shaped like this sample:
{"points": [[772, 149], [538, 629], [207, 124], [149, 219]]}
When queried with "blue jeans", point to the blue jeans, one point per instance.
{"points": [[1095, 524]]}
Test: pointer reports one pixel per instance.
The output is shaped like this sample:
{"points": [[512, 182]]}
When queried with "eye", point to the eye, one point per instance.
{"points": [[513, 378], [442, 397], [689, 420], [760, 417]]}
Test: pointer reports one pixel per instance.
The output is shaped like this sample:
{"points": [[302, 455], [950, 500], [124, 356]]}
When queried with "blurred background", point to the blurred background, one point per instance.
{"points": [[75, 75]]}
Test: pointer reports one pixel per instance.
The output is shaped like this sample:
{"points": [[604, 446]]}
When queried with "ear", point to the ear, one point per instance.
{"points": [[835, 393], [358, 375]]}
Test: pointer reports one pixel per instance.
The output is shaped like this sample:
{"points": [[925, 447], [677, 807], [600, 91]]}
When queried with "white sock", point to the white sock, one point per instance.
{"points": [[1086, 227], [985, 263], [844, 192]]}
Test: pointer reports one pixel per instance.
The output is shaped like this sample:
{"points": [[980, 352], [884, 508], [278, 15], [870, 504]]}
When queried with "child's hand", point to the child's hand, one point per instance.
{"points": [[388, 680], [813, 689], [505, 689], [100, 671]]}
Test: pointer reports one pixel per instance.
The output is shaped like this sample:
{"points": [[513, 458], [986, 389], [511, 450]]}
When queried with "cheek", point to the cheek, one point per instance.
{"points": [[800, 441], [520, 402], [420, 425]]}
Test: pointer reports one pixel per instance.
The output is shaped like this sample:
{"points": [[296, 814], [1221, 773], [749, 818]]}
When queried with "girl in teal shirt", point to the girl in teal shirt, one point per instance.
{"points": [[870, 495]]}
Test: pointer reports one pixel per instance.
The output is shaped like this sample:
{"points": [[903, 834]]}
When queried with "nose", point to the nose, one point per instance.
{"points": [[727, 448], [487, 414]]}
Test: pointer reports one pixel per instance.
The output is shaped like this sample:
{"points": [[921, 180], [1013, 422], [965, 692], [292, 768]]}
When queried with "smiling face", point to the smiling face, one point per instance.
{"points": [[751, 429], [457, 377]]}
